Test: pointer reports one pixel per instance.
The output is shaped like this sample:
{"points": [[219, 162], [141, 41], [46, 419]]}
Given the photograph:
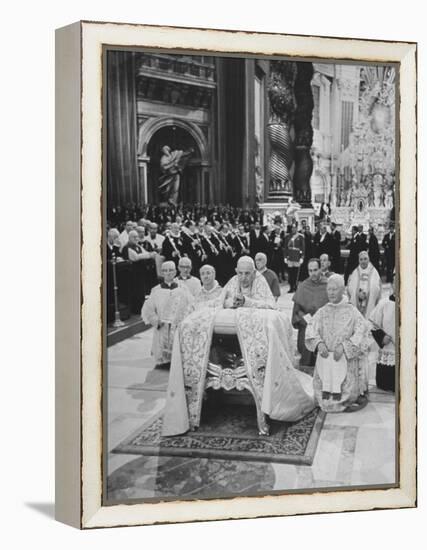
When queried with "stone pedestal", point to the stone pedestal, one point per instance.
{"points": [[271, 209], [308, 215]]}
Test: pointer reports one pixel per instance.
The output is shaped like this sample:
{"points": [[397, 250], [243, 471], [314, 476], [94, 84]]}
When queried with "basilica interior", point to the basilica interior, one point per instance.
{"points": [[260, 134], [261, 131]]}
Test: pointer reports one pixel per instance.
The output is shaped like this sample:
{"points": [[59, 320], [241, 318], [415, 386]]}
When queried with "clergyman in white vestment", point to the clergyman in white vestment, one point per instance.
{"points": [[165, 308], [342, 339]]}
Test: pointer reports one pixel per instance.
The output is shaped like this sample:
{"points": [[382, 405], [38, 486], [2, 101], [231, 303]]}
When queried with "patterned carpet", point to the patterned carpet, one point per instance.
{"points": [[231, 432]]}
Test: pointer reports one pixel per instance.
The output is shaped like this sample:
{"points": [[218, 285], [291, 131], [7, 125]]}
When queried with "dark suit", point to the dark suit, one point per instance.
{"points": [[374, 251], [193, 249], [240, 242], [171, 245], [226, 263], [258, 243], [389, 245], [308, 254], [336, 251], [113, 250], [294, 252], [143, 277], [276, 259], [323, 244]]}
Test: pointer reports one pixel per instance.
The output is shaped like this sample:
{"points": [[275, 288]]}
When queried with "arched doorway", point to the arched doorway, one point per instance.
{"points": [[176, 138]]}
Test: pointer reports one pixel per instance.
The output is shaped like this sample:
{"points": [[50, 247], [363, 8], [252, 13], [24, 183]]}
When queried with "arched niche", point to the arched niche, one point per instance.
{"points": [[152, 125], [178, 134]]}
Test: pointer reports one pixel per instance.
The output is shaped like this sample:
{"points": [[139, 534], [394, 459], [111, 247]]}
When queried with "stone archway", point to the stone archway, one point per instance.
{"points": [[177, 139], [152, 125], [178, 134]]}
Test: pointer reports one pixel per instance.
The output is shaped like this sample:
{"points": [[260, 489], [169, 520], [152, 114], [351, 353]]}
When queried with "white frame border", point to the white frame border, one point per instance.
{"points": [[93, 37]]}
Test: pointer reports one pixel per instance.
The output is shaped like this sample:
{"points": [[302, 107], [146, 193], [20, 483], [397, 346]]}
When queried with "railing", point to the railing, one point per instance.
{"points": [[134, 281], [181, 66]]}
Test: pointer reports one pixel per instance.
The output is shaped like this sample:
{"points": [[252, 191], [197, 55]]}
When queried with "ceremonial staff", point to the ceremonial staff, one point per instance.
{"points": [[214, 249], [223, 242], [243, 248], [196, 244], [174, 246], [117, 321]]}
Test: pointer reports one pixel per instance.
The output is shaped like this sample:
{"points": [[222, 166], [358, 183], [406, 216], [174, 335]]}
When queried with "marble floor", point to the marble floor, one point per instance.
{"points": [[355, 449]]}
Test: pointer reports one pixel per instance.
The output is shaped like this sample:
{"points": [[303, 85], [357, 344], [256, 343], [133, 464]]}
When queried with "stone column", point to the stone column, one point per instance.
{"points": [[303, 134], [143, 168], [282, 103], [122, 167]]}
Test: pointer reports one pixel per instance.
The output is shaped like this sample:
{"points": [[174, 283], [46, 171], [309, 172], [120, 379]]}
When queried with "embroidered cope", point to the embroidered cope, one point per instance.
{"points": [[336, 324]]}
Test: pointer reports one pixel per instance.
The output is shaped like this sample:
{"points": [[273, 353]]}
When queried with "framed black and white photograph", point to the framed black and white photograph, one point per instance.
{"points": [[236, 309]]}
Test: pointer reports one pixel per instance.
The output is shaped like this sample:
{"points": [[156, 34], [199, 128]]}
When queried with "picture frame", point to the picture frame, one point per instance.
{"points": [[80, 334]]}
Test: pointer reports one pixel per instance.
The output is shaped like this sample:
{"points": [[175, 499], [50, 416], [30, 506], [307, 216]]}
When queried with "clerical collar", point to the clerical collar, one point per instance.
{"points": [[262, 270], [170, 286]]}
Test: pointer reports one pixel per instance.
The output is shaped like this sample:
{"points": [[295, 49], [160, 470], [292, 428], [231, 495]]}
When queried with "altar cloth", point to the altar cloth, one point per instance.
{"points": [[265, 338]]}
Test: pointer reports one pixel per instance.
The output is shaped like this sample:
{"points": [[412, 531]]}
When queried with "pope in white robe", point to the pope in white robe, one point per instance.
{"points": [[247, 309], [341, 337], [248, 288], [165, 308]]}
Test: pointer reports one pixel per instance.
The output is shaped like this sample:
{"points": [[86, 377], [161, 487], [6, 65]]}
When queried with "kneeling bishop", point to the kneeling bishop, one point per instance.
{"points": [[340, 335]]}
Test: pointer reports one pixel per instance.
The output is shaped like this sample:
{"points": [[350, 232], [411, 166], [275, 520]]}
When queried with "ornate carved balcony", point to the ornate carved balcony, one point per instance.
{"points": [[185, 69]]}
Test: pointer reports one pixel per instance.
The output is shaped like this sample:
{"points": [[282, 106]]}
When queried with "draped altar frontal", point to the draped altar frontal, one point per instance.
{"points": [[280, 391]]}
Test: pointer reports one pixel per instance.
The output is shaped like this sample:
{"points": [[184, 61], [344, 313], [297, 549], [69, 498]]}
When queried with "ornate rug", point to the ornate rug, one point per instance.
{"points": [[230, 432]]}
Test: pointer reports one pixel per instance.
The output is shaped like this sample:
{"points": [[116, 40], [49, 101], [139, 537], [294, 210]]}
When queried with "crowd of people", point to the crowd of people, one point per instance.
{"points": [[163, 215], [183, 258], [220, 235]]}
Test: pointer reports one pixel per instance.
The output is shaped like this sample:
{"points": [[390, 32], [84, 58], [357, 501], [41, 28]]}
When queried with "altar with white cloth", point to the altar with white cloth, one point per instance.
{"points": [[265, 369]]}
